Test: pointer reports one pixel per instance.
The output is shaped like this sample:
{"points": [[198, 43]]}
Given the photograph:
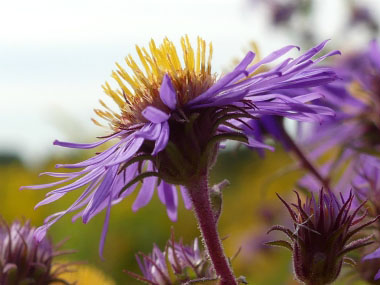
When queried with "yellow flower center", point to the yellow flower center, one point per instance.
{"points": [[190, 78]]}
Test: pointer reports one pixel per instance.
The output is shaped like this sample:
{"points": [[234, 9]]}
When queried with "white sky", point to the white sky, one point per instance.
{"points": [[54, 55]]}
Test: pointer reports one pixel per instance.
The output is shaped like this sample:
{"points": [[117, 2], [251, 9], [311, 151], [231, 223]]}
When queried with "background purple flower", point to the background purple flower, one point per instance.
{"points": [[354, 133]]}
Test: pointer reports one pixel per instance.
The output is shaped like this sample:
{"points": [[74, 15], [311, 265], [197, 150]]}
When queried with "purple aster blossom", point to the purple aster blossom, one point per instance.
{"points": [[23, 260], [172, 119], [321, 237], [366, 183], [355, 130], [177, 264]]}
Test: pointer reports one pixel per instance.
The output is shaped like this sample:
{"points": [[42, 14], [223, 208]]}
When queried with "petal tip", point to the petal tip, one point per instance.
{"points": [[135, 208]]}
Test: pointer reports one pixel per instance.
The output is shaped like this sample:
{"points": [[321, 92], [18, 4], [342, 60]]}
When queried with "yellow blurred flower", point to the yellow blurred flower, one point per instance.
{"points": [[85, 275]]}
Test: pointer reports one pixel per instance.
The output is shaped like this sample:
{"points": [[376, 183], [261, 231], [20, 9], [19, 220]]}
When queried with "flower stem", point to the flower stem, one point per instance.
{"points": [[306, 163], [199, 193], [315, 283]]}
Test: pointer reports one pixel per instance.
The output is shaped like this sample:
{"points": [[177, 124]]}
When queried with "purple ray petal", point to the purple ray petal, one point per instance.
{"points": [[49, 199], [167, 93], [146, 191], [169, 197], [186, 198], [239, 69], [43, 186], [155, 115], [377, 276], [105, 229], [374, 53], [163, 138], [99, 158], [81, 181], [271, 57], [132, 148], [149, 132], [101, 193], [252, 142], [87, 145], [310, 53], [373, 255]]}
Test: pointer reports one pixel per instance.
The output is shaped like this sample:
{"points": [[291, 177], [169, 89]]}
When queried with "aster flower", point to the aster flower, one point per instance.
{"points": [[366, 184], [172, 119], [321, 238], [23, 260], [355, 130], [366, 181], [178, 264]]}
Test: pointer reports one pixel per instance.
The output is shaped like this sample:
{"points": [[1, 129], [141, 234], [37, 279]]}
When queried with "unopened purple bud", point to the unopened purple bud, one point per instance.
{"points": [[24, 260], [177, 264], [322, 235]]}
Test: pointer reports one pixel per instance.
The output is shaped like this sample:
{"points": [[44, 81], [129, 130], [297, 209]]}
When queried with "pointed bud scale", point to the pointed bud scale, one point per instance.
{"points": [[322, 235], [216, 198]]}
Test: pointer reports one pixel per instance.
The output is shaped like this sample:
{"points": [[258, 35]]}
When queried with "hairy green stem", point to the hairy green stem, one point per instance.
{"points": [[200, 196]]}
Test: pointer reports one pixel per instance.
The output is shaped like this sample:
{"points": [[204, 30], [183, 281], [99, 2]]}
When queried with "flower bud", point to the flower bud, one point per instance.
{"points": [[23, 260], [321, 236], [178, 264]]}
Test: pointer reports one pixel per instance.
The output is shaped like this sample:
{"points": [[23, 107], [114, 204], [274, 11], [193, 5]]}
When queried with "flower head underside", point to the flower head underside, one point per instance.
{"points": [[173, 116]]}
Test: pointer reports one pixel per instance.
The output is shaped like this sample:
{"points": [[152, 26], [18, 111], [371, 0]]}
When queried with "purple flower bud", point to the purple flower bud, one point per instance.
{"points": [[322, 235], [178, 264], [23, 260]]}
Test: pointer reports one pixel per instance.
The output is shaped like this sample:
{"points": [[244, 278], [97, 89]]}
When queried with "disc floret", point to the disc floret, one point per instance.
{"points": [[188, 78]]}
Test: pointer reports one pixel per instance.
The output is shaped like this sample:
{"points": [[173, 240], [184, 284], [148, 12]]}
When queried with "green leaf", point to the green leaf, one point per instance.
{"points": [[138, 179], [280, 243], [349, 261]]}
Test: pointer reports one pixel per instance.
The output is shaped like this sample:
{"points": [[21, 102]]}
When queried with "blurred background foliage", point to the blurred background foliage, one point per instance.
{"points": [[248, 211], [250, 208]]}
